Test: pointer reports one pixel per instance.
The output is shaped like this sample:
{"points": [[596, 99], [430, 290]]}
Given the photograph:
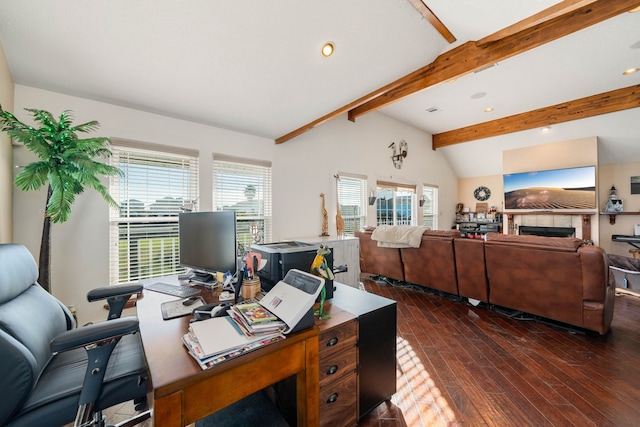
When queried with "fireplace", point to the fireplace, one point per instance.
{"points": [[547, 231]]}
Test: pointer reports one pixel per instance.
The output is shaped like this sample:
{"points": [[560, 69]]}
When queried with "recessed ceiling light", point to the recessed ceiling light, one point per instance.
{"points": [[630, 71], [327, 49], [635, 9], [546, 129], [488, 109]]}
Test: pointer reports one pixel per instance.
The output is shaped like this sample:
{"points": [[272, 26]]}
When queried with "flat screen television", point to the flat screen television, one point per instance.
{"points": [[558, 189], [208, 243]]}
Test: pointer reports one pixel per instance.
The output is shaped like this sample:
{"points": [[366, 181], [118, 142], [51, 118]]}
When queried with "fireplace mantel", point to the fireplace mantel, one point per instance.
{"points": [[586, 220]]}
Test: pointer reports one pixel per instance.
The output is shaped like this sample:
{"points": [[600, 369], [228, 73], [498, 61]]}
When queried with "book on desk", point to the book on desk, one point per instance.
{"points": [[286, 308]]}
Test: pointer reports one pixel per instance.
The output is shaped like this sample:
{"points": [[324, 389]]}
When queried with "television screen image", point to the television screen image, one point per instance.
{"points": [[208, 241], [571, 188]]}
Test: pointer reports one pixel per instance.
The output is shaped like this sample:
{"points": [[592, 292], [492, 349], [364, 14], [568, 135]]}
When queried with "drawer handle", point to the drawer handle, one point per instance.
{"points": [[332, 370], [332, 398], [333, 341]]}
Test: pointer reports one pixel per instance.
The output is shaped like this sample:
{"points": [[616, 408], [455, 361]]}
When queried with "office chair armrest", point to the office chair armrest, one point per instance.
{"points": [[95, 333], [116, 296], [99, 341], [114, 291]]}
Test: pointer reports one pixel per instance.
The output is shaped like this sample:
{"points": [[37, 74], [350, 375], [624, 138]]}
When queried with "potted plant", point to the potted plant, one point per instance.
{"points": [[67, 164]]}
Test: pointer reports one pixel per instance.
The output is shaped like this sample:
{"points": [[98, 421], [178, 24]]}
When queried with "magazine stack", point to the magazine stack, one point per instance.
{"points": [[219, 339], [255, 320]]}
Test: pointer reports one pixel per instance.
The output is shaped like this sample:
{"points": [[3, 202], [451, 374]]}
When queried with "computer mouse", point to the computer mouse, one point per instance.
{"points": [[190, 301]]}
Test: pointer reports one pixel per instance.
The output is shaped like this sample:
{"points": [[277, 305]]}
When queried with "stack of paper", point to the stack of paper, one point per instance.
{"points": [[254, 319], [215, 340]]}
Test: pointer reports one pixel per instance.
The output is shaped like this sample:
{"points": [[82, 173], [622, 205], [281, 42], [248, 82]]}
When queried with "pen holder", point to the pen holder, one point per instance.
{"points": [[250, 288]]}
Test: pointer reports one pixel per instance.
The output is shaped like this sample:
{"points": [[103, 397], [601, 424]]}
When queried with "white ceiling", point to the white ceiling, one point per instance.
{"points": [[255, 66]]}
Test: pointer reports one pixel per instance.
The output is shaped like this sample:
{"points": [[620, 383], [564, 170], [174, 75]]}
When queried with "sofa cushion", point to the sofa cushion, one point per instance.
{"points": [[471, 270], [432, 264], [378, 261]]}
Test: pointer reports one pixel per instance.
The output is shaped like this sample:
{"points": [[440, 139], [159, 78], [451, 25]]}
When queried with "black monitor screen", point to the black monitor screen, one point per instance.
{"points": [[208, 241]]}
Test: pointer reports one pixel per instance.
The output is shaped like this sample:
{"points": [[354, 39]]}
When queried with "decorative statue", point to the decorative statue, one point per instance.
{"points": [[325, 218], [320, 267], [339, 219]]}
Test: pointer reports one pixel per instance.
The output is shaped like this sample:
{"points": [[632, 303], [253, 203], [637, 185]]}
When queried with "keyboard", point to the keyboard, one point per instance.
{"points": [[175, 290]]}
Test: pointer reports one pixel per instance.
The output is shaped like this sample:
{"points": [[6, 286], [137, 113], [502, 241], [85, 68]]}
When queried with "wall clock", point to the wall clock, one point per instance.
{"points": [[481, 193]]}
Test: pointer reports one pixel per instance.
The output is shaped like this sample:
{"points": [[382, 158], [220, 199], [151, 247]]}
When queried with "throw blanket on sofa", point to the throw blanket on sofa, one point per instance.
{"points": [[398, 236]]}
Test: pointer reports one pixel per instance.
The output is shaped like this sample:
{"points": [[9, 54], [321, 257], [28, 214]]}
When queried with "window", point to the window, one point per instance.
{"points": [[395, 204], [430, 206], [154, 187], [244, 185], [352, 191]]}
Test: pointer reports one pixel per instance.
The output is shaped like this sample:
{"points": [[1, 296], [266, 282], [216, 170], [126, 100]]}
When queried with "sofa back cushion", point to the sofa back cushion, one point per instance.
{"points": [[538, 275], [471, 270], [433, 263], [376, 260]]}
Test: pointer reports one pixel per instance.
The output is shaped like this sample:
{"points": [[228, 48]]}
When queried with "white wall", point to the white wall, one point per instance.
{"points": [[302, 169], [618, 175], [6, 182]]}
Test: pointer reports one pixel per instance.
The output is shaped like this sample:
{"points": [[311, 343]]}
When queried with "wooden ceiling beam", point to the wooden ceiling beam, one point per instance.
{"points": [[470, 56], [551, 12], [608, 102], [433, 20]]}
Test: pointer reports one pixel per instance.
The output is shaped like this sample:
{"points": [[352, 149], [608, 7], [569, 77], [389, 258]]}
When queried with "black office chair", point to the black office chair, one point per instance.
{"points": [[45, 377]]}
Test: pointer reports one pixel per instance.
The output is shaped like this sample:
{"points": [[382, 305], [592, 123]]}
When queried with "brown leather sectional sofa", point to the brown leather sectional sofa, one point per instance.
{"points": [[551, 277]]}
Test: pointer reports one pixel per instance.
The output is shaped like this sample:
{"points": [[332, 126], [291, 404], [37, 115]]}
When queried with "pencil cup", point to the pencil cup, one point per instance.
{"points": [[250, 288]]}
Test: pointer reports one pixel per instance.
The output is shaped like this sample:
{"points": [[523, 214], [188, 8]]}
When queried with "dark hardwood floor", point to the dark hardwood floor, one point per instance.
{"points": [[460, 365], [465, 365]]}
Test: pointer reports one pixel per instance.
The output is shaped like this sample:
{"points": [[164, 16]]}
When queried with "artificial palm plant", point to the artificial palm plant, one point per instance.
{"points": [[66, 163]]}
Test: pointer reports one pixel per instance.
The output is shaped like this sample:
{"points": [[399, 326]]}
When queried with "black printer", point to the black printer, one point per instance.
{"points": [[283, 256]]}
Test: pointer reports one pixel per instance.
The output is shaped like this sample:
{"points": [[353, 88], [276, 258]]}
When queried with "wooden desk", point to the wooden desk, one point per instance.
{"points": [[184, 393]]}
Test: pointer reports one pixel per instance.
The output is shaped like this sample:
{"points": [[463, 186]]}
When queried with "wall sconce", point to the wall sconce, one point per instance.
{"points": [[421, 201], [400, 154], [372, 199]]}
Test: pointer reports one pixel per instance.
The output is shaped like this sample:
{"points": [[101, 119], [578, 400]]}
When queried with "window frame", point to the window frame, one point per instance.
{"points": [[400, 195], [152, 238], [357, 194], [430, 209]]}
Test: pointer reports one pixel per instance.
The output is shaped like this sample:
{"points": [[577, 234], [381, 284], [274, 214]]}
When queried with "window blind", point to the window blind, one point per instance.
{"points": [[244, 185], [430, 206], [352, 199], [153, 189]]}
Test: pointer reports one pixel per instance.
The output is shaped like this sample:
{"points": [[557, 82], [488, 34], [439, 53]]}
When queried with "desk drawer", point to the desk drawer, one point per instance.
{"points": [[336, 365], [338, 405], [337, 339]]}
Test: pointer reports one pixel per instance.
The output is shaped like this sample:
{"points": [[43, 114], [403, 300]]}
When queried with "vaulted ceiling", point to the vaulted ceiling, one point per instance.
{"points": [[256, 66]]}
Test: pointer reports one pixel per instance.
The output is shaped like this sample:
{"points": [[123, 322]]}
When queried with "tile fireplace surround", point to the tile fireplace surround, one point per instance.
{"points": [[581, 221]]}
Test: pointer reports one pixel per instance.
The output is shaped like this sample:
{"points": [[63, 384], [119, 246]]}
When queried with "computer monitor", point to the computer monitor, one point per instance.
{"points": [[208, 243]]}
